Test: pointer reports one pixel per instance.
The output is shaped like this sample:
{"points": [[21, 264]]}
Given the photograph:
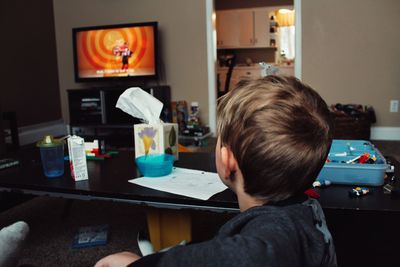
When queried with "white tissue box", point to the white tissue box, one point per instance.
{"points": [[156, 139]]}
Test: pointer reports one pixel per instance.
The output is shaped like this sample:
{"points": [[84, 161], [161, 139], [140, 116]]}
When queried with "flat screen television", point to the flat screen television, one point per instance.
{"points": [[115, 52]]}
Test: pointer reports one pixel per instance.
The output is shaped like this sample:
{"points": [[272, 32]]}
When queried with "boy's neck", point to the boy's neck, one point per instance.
{"points": [[247, 201]]}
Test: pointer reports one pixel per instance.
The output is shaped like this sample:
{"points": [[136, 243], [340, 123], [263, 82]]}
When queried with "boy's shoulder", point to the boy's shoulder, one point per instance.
{"points": [[300, 218], [297, 223], [274, 218]]}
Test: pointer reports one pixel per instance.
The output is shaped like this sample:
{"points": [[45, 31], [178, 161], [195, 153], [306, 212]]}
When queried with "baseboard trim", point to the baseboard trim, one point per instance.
{"points": [[33, 133], [385, 133]]}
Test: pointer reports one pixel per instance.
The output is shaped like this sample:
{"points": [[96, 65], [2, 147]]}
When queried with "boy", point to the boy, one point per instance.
{"points": [[274, 135]]}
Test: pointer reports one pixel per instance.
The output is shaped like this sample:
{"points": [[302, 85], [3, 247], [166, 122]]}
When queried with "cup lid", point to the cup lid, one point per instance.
{"points": [[49, 141]]}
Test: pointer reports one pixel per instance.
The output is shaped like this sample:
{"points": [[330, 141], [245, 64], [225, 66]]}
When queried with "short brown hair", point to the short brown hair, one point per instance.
{"points": [[279, 131]]}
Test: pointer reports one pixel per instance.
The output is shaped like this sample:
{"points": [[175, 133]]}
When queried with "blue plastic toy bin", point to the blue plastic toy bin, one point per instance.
{"points": [[339, 172]]}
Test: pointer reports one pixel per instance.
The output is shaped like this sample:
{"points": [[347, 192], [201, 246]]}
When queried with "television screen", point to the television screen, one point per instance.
{"points": [[115, 52]]}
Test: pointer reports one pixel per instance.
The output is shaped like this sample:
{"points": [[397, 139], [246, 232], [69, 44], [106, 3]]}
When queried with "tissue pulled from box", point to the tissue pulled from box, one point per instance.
{"points": [[140, 104]]}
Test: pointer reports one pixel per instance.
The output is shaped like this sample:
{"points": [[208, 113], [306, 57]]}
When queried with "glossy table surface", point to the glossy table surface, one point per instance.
{"points": [[108, 179]]}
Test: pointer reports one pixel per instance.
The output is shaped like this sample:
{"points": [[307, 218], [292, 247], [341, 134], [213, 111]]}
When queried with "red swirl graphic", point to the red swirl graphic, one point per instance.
{"points": [[95, 47]]}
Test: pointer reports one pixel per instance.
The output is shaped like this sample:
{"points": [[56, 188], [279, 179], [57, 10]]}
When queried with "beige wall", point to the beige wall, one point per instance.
{"points": [[349, 48], [350, 52], [182, 27]]}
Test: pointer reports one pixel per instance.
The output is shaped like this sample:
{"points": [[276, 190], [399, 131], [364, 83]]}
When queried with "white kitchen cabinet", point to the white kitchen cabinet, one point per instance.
{"points": [[227, 29], [246, 28], [247, 73], [243, 28], [286, 70], [261, 27], [239, 73]]}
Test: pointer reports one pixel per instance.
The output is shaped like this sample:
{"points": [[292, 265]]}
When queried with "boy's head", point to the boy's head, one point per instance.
{"points": [[279, 131]]}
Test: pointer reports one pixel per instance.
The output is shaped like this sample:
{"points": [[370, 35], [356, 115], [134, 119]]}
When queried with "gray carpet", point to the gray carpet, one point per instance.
{"points": [[54, 221]]}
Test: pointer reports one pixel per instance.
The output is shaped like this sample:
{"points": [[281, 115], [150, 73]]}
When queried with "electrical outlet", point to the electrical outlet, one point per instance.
{"points": [[394, 105]]}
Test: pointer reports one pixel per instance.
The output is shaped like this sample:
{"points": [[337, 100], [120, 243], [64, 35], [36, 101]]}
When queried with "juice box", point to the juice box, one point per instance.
{"points": [[77, 158]]}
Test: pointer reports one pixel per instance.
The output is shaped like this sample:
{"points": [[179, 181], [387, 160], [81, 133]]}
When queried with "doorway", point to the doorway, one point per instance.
{"points": [[212, 7]]}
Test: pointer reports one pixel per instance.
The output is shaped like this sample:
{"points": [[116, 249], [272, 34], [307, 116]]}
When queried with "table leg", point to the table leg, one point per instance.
{"points": [[168, 227]]}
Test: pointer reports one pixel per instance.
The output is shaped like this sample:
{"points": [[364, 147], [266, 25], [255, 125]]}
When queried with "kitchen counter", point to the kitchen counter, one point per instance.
{"points": [[245, 72]]}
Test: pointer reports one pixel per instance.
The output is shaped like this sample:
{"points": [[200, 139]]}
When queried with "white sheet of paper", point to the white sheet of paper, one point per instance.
{"points": [[186, 182]]}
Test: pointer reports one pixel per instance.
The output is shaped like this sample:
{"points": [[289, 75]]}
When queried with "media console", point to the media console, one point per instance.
{"points": [[93, 114]]}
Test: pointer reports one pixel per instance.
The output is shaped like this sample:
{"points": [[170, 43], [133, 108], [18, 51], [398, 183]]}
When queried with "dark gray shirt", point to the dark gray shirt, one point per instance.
{"points": [[289, 233]]}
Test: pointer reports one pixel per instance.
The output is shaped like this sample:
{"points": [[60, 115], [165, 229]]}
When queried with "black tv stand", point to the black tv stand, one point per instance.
{"points": [[93, 114]]}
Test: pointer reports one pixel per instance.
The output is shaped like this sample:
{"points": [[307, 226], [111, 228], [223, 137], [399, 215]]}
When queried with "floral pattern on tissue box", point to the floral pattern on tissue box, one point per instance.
{"points": [[156, 139]]}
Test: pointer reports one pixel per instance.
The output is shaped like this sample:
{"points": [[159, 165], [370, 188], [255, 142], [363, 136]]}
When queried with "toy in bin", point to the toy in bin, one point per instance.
{"points": [[359, 192], [321, 183], [155, 165]]}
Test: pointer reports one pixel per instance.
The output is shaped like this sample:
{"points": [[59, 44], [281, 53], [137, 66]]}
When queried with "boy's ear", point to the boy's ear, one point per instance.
{"points": [[228, 161]]}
